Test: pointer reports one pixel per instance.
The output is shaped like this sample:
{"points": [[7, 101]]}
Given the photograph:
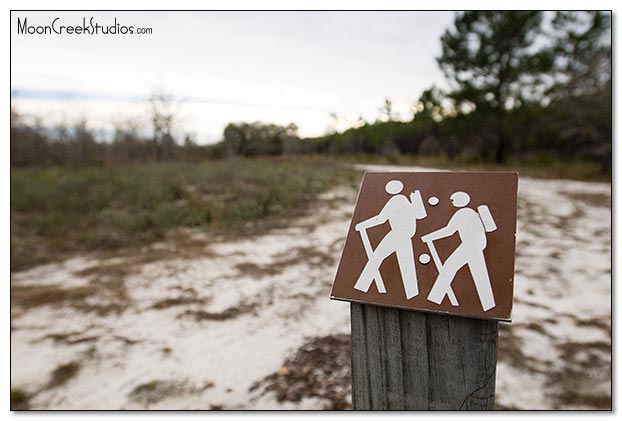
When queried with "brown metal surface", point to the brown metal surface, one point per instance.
{"points": [[497, 190]]}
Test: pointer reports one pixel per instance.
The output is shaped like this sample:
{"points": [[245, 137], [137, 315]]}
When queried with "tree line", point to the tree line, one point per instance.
{"points": [[33, 144], [518, 88], [523, 85]]}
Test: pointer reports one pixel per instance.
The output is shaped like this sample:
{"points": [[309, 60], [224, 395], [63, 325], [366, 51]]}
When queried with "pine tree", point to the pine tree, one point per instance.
{"points": [[491, 61]]}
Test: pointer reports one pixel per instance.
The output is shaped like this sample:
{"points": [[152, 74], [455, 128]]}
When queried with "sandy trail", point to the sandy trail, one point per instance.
{"points": [[221, 330]]}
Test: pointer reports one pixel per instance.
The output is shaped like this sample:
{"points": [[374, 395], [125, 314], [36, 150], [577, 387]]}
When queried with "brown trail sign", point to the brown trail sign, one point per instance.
{"points": [[437, 242]]}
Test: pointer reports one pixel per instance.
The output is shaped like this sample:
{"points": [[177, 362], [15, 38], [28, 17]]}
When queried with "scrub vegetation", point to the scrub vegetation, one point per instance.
{"points": [[58, 211]]}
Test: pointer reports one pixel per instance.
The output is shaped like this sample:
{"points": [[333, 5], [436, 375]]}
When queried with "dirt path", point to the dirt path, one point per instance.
{"points": [[248, 324]]}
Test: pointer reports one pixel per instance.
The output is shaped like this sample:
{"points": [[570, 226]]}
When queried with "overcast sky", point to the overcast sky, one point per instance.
{"points": [[276, 67]]}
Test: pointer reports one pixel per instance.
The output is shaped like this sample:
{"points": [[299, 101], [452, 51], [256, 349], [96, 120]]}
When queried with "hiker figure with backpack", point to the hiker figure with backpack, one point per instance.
{"points": [[401, 213], [472, 227]]}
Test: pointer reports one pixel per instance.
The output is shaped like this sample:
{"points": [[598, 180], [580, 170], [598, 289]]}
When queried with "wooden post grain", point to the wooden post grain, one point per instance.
{"points": [[408, 360]]}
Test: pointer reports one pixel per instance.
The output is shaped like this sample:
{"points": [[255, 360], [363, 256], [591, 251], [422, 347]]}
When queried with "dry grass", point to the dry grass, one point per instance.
{"points": [[156, 391], [104, 294], [592, 199], [71, 338], [229, 313], [20, 400], [320, 368], [308, 255], [63, 374], [33, 296], [583, 370], [178, 301], [256, 270], [297, 256]]}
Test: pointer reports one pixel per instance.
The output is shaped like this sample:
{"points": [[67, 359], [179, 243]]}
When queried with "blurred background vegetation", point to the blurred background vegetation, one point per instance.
{"points": [[515, 102]]}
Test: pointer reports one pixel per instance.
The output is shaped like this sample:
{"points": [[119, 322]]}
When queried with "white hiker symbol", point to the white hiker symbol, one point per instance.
{"points": [[471, 227], [401, 214]]}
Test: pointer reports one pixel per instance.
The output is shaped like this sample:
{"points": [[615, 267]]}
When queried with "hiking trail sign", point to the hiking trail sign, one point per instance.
{"points": [[440, 242]]}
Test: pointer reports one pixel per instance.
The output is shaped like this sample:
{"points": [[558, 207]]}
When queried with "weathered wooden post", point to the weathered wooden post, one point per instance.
{"points": [[443, 355], [406, 360]]}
